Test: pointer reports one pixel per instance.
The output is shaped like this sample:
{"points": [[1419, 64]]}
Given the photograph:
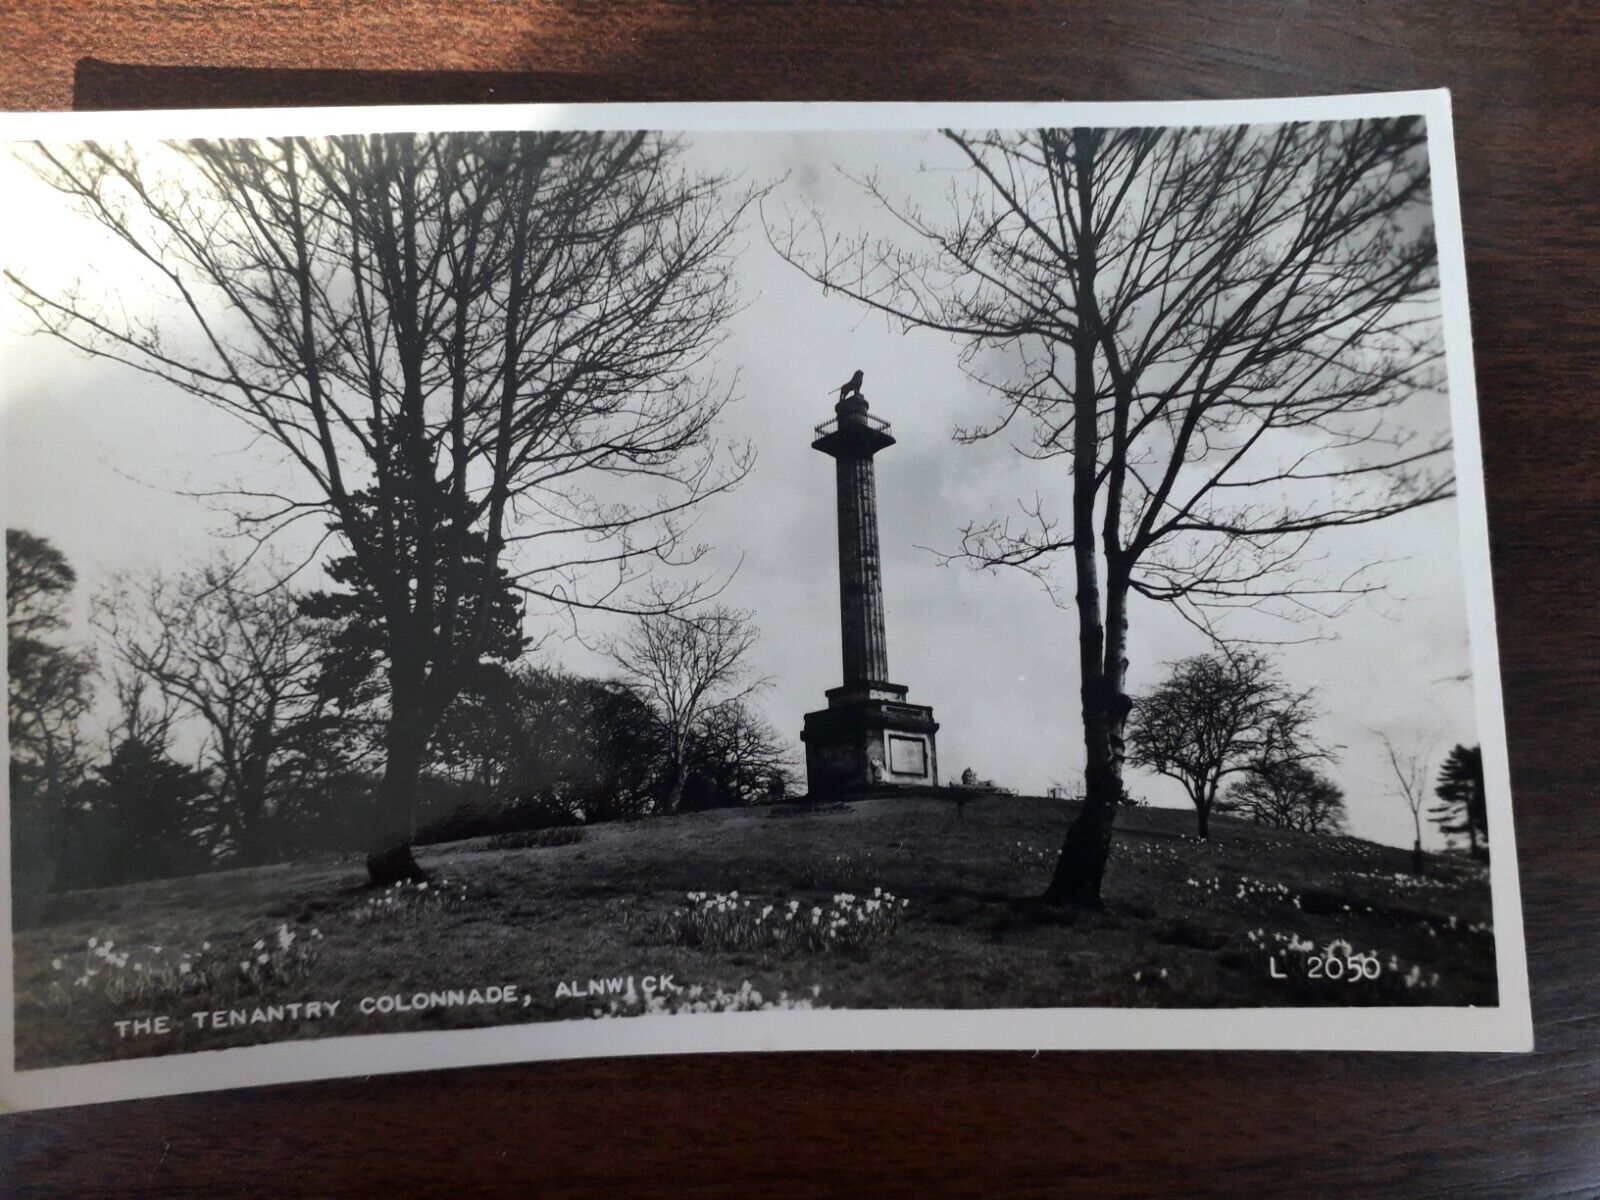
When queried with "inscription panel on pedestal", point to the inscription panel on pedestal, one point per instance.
{"points": [[907, 755]]}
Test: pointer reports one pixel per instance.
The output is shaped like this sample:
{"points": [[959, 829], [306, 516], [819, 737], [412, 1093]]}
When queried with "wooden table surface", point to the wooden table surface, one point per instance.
{"points": [[1527, 107]]}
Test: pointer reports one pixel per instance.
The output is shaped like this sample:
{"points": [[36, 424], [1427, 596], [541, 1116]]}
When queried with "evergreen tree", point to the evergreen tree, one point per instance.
{"points": [[361, 649], [1462, 809], [139, 817]]}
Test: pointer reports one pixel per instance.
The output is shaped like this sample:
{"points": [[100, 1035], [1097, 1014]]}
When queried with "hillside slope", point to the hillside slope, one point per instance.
{"points": [[1247, 919]]}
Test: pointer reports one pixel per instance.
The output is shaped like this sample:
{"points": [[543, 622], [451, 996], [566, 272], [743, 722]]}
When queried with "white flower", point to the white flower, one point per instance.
{"points": [[184, 968], [55, 964], [93, 942], [260, 943], [205, 945], [263, 959]]}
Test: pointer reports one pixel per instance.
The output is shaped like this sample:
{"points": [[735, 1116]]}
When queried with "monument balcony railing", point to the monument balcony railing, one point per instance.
{"points": [[871, 422]]}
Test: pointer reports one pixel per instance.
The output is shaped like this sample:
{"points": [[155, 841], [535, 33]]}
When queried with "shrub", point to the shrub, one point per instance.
{"points": [[534, 839]]}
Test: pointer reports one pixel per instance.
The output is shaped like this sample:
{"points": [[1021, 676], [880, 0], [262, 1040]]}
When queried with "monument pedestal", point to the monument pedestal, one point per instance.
{"points": [[869, 737]]}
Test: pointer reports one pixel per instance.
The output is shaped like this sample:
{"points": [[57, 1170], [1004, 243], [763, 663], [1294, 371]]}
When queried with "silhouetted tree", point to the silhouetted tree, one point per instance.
{"points": [[1218, 715], [485, 730], [141, 814], [144, 808], [684, 665], [1410, 764], [241, 664], [537, 745], [1216, 328], [1463, 809], [734, 756], [1286, 795], [460, 340], [49, 690]]}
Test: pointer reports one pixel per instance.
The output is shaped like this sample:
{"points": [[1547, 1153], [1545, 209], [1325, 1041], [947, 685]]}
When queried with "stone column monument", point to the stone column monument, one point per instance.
{"points": [[868, 737]]}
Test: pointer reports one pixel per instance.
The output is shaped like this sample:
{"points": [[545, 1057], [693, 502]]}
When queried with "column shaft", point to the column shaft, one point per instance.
{"points": [[860, 574]]}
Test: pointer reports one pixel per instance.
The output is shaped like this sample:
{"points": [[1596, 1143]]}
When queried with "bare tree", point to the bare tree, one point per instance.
{"points": [[684, 665], [458, 340], [1286, 795], [737, 756], [1411, 764], [1218, 715], [1216, 328], [241, 663]]}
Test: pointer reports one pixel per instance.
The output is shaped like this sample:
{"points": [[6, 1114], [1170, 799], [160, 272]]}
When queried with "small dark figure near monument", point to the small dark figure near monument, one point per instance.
{"points": [[852, 388]]}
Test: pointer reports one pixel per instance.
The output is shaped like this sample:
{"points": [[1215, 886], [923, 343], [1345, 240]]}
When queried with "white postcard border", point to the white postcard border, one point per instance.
{"points": [[1506, 1027]]}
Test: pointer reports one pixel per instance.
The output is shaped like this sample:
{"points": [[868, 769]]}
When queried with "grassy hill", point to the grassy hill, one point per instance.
{"points": [[882, 903]]}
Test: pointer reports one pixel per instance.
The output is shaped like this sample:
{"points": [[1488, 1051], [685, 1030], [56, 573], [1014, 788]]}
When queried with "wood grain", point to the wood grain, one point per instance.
{"points": [[1526, 99]]}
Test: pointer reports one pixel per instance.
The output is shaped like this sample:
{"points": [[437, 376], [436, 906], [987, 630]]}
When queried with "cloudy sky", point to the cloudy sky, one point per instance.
{"points": [[98, 459]]}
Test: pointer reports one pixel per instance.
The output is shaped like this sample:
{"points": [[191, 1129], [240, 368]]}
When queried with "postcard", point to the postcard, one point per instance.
{"points": [[508, 583]]}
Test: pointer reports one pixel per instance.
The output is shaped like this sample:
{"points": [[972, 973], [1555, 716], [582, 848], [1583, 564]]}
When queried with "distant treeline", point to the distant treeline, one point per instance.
{"points": [[536, 747], [286, 749]]}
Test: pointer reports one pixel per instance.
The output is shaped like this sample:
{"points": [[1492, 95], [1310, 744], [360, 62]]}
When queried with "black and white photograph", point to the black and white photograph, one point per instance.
{"points": [[540, 582]]}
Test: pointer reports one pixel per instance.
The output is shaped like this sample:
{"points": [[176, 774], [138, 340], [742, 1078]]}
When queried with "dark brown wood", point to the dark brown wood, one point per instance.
{"points": [[1526, 99]]}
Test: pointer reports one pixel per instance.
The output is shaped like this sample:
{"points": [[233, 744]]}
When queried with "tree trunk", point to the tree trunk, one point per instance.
{"points": [[1205, 799], [1087, 846], [1478, 851], [1103, 662], [1102, 633], [252, 799], [1416, 857], [1084, 851], [390, 860], [1082, 866], [680, 780]]}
